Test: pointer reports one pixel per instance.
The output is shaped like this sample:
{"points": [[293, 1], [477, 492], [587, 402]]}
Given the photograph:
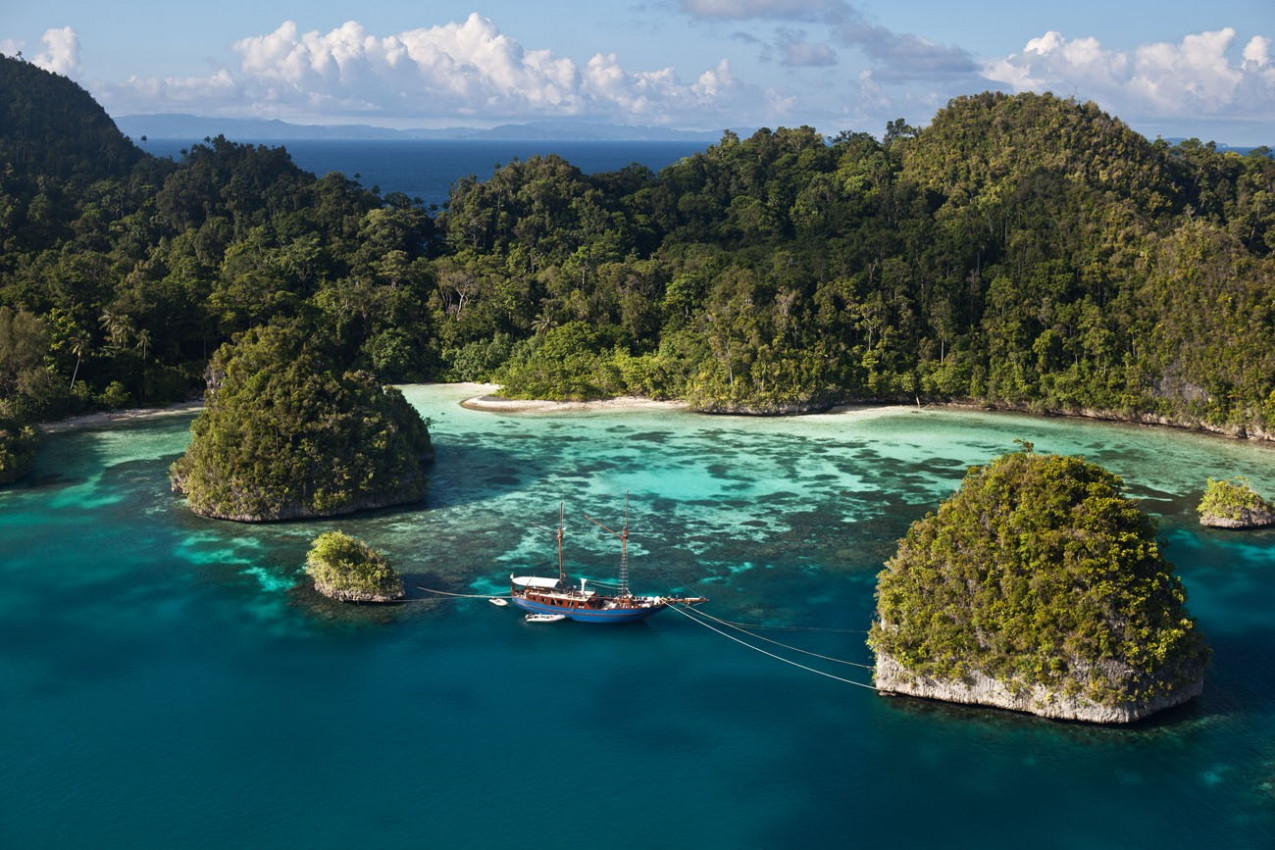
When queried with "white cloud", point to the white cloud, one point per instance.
{"points": [[466, 68], [61, 51], [213, 92], [1196, 77], [1187, 76], [1257, 52]]}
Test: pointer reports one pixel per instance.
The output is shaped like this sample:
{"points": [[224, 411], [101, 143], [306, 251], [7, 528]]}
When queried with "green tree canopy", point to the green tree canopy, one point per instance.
{"points": [[1039, 571], [1232, 502], [284, 434], [346, 568]]}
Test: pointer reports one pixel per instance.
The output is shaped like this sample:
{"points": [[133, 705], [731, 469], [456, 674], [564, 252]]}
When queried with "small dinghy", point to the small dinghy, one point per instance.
{"points": [[545, 618], [499, 602]]}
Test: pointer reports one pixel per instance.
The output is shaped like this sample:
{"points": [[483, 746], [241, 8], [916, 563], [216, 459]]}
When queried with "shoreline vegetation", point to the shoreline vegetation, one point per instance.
{"points": [[1023, 253], [486, 398]]}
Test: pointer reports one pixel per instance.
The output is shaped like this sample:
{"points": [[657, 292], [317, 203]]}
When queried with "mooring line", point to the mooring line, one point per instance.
{"points": [[774, 628], [808, 669], [463, 595], [738, 628]]}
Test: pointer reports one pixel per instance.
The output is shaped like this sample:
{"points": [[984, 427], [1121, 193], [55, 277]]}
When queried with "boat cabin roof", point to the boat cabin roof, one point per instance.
{"points": [[541, 582]]}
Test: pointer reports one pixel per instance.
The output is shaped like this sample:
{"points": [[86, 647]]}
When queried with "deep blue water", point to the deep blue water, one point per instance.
{"points": [[426, 169], [168, 681]]}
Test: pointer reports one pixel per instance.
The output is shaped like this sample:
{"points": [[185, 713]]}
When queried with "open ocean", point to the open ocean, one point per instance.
{"points": [[169, 681], [427, 168]]}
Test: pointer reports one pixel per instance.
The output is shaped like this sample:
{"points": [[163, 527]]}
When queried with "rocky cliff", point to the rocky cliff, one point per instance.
{"points": [[1052, 702]]}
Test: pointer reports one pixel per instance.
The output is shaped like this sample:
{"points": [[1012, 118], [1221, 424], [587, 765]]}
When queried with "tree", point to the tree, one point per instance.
{"points": [[24, 344]]}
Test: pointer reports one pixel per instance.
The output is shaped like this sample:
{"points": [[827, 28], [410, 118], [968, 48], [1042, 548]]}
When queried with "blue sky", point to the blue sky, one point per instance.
{"points": [[1170, 69]]}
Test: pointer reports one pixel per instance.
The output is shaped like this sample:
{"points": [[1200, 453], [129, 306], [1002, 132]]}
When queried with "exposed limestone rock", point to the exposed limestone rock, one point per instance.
{"points": [[1249, 518], [979, 689], [345, 595]]}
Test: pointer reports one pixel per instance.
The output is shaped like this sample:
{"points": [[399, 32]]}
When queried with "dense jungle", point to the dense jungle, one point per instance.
{"points": [[1026, 252]]}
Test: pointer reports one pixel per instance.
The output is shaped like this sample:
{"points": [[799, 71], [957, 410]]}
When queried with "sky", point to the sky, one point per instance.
{"points": [[1168, 68]]}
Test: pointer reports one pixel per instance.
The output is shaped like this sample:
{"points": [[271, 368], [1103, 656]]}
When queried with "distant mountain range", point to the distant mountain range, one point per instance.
{"points": [[195, 128]]}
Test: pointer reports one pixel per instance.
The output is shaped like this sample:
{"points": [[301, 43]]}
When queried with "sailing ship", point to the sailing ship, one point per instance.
{"points": [[560, 595]]}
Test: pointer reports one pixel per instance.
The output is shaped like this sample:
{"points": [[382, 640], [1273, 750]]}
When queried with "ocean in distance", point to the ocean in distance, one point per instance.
{"points": [[169, 681], [427, 168]]}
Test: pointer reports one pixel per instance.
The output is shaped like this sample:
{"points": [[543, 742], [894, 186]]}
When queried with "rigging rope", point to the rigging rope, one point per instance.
{"points": [[738, 628], [689, 616], [773, 628], [463, 595]]}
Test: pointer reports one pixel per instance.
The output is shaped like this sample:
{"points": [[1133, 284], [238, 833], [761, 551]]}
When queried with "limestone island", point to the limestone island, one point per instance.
{"points": [[347, 569], [286, 435], [1233, 503], [1037, 587]]}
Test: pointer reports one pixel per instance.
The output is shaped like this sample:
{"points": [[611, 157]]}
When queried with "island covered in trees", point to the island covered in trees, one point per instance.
{"points": [[345, 568], [1037, 587], [285, 435], [1025, 252], [1233, 503]]}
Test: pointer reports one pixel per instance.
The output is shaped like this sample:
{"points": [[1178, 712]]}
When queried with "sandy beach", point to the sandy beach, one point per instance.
{"points": [[487, 401], [484, 399], [109, 417]]}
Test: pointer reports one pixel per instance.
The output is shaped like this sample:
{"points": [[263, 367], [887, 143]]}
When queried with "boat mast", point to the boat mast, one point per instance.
{"points": [[624, 551], [562, 572], [624, 547]]}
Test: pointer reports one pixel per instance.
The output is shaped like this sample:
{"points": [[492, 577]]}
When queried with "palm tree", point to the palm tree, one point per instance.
{"points": [[79, 345], [143, 338], [118, 328]]}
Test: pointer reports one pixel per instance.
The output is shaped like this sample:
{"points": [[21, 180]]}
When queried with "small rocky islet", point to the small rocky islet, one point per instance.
{"points": [[1233, 503], [347, 569]]}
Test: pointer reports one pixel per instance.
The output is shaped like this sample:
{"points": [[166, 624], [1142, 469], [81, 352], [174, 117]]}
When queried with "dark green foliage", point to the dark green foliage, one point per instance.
{"points": [[346, 568], [1021, 251], [284, 434], [52, 127], [1039, 571], [17, 448]]}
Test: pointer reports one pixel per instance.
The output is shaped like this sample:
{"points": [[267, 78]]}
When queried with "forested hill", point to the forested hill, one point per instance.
{"points": [[49, 126], [1022, 251]]}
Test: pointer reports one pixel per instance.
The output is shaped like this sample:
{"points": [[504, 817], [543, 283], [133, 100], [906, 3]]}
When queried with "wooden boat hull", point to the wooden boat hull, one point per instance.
{"points": [[615, 614]]}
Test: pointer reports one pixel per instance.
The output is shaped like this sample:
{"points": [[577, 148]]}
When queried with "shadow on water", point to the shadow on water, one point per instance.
{"points": [[79, 457]]}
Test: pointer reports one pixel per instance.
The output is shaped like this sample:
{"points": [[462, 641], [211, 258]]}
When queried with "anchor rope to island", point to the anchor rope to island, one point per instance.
{"points": [[461, 595], [685, 612], [770, 627], [737, 627]]}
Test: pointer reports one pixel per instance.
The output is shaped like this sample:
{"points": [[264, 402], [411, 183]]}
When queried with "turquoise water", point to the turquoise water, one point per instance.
{"points": [[167, 681]]}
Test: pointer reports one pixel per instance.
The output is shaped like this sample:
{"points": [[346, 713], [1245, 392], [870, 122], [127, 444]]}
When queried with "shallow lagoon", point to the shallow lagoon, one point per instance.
{"points": [[166, 681]]}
